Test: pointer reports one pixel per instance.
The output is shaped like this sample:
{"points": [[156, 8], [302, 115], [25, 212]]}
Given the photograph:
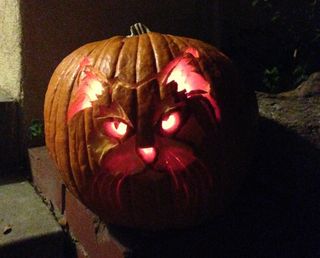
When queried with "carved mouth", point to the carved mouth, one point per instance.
{"points": [[187, 184], [176, 171]]}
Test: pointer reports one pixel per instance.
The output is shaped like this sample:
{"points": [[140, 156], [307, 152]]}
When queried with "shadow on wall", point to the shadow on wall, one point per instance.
{"points": [[53, 29], [277, 213]]}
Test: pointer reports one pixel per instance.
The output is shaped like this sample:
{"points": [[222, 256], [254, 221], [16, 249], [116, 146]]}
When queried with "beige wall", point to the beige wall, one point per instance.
{"points": [[10, 48]]}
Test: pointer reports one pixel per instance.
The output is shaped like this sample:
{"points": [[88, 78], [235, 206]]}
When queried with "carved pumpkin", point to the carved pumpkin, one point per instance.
{"points": [[150, 131]]}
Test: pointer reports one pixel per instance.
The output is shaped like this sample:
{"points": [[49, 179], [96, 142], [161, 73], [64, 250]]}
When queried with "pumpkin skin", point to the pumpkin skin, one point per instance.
{"points": [[196, 170]]}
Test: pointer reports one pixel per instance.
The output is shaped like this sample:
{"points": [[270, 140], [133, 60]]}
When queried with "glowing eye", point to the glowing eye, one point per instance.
{"points": [[171, 122], [115, 129]]}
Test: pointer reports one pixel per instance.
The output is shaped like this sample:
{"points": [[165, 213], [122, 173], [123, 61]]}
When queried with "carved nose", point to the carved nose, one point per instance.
{"points": [[148, 154]]}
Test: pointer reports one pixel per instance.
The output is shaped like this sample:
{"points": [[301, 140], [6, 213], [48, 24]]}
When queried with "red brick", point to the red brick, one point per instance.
{"points": [[45, 177], [93, 234]]}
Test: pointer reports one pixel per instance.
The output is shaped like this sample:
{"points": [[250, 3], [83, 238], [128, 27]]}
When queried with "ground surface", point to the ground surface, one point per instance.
{"points": [[299, 114], [27, 227]]}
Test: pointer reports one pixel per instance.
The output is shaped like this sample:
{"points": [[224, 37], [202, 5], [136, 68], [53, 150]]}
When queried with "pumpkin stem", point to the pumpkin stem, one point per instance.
{"points": [[138, 29]]}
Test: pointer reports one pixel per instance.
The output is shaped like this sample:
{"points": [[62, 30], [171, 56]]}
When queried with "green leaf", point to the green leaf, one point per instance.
{"points": [[35, 129]]}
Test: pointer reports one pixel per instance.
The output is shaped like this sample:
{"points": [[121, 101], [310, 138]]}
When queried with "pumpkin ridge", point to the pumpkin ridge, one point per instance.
{"points": [[136, 65], [47, 112], [49, 99], [104, 52], [88, 113], [72, 129], [185, 41], [162, 53], [145, 63], [153, 51], [69, 95], [61, 91], [115, 72], [100, 52], [173, 53], [53, 120], [168, 46], [131, 59], [88, 128], [63, 156], [177, 40], [116, 58], [82, 154], [72, 88], [121, 56], [51, 130]]}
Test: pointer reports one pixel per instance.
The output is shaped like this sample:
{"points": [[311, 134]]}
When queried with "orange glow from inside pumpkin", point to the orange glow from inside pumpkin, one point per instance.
{"points": [[171, 123], [95, 88], [190, 80], [148, 154], [88, 91], [115, 129], [192, 51]]}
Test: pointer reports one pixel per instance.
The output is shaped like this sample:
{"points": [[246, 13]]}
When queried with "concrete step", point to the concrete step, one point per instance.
{"points": [[27, 228]]}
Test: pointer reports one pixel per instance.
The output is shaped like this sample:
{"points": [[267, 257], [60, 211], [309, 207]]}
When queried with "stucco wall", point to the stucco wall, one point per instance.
{"points": [[10, 48]]}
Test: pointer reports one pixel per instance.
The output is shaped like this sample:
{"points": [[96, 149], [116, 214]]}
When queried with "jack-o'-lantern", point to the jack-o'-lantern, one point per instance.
{"points": [[150, 131]]}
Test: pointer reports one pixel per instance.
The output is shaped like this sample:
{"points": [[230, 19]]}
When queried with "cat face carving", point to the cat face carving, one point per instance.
{"points": [[161, 125]]}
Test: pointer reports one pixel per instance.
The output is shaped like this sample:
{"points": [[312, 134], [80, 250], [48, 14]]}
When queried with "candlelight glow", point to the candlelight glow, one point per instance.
{"points": [[89, 89], [185, 73], [115, 129], [193, 52], [148, 154], [171, 123]]}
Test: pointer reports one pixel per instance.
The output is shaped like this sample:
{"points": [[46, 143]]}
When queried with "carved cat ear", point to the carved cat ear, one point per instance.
{"points": [[165, 72], [186, 72], [194, 52], [90, 84]]}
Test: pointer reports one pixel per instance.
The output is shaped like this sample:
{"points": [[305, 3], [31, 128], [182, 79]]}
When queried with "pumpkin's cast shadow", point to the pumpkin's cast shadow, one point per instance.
{"points": [[276, 214]]}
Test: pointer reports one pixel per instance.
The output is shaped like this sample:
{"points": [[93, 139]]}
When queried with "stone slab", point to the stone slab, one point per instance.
{"points": [[28, 229]]}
